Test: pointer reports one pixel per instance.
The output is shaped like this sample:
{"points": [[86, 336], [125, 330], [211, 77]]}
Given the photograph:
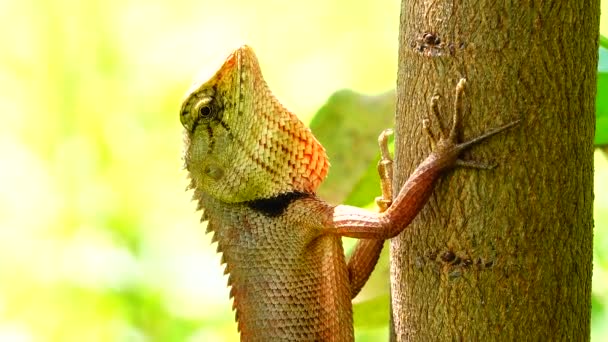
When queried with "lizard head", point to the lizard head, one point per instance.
{"points": [[241, 143]]}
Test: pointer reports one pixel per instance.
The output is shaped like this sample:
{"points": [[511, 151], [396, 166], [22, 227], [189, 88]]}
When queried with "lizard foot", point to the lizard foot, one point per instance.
{"points": [[385, 169], [447, 143]]}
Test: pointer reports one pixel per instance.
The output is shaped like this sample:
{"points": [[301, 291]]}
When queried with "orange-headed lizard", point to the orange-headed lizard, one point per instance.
{"points": [[254, 168]]}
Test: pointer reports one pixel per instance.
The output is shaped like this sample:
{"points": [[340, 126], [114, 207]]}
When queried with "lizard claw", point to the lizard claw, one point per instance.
{"points": [[445, 136], [449, 140]]}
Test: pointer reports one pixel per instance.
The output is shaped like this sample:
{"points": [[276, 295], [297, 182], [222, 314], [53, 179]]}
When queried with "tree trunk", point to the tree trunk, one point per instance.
{"points": [[504, 254]]}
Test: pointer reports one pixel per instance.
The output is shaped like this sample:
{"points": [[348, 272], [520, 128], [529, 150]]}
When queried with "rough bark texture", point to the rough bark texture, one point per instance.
{"points": [[504, 254]]}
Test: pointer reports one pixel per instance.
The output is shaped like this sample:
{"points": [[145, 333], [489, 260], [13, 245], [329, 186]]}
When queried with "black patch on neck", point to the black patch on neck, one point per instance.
{"points": [[275, 206]]}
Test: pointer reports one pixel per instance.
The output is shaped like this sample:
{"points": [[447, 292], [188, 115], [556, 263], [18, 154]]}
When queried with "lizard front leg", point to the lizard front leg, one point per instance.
{"points": [[359, 223]]}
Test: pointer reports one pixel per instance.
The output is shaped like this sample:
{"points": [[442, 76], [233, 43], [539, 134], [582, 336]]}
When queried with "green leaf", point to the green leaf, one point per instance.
{"points": [[347, 126]]}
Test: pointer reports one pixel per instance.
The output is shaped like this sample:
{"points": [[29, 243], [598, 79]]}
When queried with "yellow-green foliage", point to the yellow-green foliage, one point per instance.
{"points": [[98, 240]]}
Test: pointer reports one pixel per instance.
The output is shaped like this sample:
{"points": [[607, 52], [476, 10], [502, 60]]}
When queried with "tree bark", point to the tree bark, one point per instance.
{"points": [[504, 254]]}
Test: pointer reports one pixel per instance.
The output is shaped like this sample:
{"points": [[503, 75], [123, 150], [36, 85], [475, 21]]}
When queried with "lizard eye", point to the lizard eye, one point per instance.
{"points": [[204, 108], [204, 111]]}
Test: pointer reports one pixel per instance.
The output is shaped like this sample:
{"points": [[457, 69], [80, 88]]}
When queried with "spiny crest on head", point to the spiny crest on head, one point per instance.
{"points": [[257, 149]]}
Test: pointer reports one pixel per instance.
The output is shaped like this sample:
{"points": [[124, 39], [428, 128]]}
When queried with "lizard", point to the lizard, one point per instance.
{"points": [[254, 168]]}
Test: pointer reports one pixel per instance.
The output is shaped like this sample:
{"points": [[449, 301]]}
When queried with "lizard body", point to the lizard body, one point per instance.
{"points": [[254, 168]]}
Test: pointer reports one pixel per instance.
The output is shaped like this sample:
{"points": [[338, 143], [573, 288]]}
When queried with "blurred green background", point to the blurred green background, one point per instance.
{"points": [[98, 240]]}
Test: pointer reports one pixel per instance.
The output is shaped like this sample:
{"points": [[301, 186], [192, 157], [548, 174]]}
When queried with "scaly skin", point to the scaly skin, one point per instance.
{"points": [[254, 168]]}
